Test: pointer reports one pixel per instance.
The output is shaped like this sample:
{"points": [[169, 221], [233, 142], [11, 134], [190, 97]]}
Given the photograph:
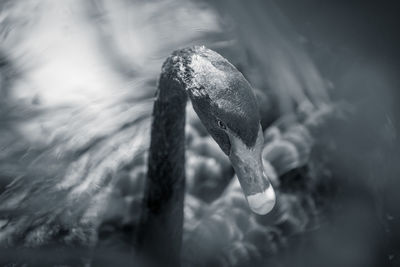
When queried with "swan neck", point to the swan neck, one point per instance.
{"points": [[161, 222]]}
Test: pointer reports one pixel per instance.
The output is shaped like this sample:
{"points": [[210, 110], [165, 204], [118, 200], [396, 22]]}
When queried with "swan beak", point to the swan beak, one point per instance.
{"points": [[248, 166]]}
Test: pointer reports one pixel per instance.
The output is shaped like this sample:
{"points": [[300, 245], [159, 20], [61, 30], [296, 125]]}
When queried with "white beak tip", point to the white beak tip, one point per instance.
{"points": [[262, 203]]}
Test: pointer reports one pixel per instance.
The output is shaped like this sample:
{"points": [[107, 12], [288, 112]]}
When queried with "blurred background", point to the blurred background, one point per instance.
{"points": [[77, 81]]}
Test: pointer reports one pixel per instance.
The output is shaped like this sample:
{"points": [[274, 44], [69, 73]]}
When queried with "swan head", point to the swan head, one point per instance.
{"points": [[225, 103]]}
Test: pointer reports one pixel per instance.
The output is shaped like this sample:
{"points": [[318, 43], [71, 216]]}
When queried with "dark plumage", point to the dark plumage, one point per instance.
{"points": [[217, 90], [226, 106], [76, 117]]}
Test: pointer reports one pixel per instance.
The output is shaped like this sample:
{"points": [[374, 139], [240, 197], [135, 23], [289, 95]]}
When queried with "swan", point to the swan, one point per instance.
{"points": [[226, 105], [218, 226], [227, 233], [55, 154]]}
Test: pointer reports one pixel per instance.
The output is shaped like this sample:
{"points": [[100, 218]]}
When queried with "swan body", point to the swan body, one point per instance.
{"points": [[218, 225], [76, 124], [226, 233]]}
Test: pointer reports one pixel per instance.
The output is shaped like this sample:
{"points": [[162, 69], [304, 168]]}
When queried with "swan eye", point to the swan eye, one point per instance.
{"points": [[221, 125]]}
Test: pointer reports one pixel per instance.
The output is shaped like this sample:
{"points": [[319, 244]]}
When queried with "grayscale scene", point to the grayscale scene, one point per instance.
{"points": [[185, 133]]}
